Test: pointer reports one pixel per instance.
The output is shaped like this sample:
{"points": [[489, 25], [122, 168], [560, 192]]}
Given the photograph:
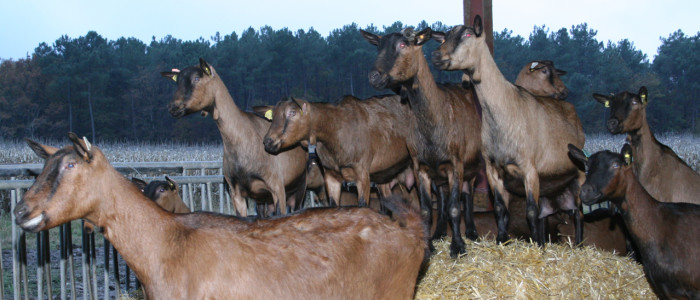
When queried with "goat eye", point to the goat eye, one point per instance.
{"points": [[70, 165], [291, 113], [196, 79], [161, 190], [402, 45], [615, 165]]}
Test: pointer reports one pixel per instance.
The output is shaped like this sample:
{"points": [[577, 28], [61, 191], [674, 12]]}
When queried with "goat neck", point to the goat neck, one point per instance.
{"points": [[225, 111], [320, 130], [639, 209], [423, 92], [135, 225]]}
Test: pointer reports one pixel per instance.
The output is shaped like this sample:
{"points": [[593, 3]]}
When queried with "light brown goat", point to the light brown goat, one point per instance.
{"points": [[329, 253], [165, 193], [662, 173], [541, 78], [444, 144], [357, 140], [249, 170], [524, 137]]}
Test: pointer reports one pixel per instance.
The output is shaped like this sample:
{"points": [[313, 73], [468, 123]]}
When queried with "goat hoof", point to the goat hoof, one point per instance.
{"points": [[472, 235], [456, 249], [502, 238]]}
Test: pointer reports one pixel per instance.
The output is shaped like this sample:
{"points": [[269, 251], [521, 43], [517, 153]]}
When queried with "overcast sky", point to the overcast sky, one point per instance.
{"points": [[26, 23]]}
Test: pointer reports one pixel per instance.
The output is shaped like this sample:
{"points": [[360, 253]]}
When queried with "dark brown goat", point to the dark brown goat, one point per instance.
{"points": [[524, 136], [541, 78], [357, 140], [249, 170], [445, 145], [662, 173], [165, 193], [330, 253], [666, 234]]}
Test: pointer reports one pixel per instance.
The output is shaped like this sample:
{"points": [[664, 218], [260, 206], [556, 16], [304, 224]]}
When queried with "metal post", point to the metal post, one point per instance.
{"points": [[47, 262], [71, 266], [15, 246], [106, 273], [93, 265], [64, 257], [221, 198], [86, 260], [115, 260], [39, 266]]}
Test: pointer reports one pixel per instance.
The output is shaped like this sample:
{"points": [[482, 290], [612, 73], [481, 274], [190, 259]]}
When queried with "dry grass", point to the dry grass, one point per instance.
{"points": [[687, 146], [16, 152], [521, 270]]}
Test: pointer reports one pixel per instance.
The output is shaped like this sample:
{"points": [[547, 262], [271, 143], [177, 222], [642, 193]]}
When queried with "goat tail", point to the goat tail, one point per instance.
{"points": [[408, 217]]}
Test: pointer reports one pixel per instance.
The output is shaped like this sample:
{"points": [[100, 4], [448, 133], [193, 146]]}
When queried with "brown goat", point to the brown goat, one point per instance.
{"points": [[165, 193], [662, 173], [249, 170], [441, 146], [329, 253], [541, 78], [357, 140], [601, 229], [524, 136], [666, 234]]}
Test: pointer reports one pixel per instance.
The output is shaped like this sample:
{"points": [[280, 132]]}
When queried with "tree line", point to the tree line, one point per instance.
{"points": [[112, 89]]}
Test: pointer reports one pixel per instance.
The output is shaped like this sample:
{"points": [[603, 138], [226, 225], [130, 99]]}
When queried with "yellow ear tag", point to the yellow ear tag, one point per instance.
{"points": [[643, 97], [268, 114], [607, 103], [174, 78], [628, 158]]}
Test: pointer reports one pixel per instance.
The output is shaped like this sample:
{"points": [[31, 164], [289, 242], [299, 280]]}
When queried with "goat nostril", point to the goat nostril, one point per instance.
{"points": [[613, 125]]}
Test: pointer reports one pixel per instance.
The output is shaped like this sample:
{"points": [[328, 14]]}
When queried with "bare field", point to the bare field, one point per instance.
{"points": [[687, 146]]}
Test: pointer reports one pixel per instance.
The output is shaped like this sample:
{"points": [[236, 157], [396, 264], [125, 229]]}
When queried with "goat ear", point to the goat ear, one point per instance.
{"points": [[82, 146], [627, 154], [478, 26], [371, 37], [264, 111], [423, 36], [171, 75], [605, 100], [438, 36], [643, 95], [42, 151], [206, 68], [139, 183], [560, 72], [577, 154]]}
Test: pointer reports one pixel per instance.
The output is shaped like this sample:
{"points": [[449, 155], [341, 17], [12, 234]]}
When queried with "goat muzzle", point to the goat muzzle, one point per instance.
{"points": [[589, 195], [176, 111], [271, 146], [377, 80], [438, 61], [613, 125]]}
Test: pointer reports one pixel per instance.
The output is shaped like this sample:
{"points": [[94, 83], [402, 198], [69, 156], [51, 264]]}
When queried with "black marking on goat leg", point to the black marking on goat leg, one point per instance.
{"points": [[501, 217], [441, 225], [457, 246], [470, 228], [533, 220]]}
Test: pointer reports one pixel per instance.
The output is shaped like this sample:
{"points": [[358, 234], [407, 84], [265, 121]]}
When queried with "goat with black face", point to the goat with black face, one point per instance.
{"points": [[666, 234], [662, 173], [444, 143]]}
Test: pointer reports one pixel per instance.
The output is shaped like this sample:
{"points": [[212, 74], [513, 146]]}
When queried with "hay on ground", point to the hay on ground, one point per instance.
{"points": [[522, 270]]}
